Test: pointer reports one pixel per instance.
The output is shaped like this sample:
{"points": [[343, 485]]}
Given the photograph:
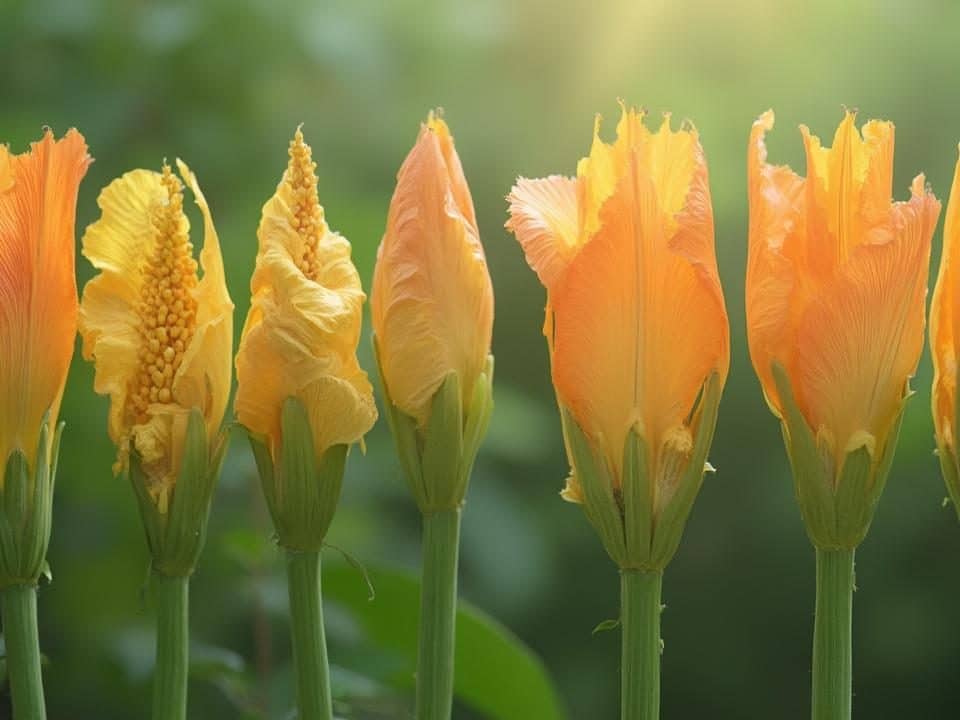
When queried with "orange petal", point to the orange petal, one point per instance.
{"points": [[38, 292], [777, 201], [945, 322], [639, 325], [860, 339], [543, 216]]}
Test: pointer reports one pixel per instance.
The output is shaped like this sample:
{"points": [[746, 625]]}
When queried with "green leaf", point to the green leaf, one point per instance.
{"points": [[496, 675], [606, 626]]}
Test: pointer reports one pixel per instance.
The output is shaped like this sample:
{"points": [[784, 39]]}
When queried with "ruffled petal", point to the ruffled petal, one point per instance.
{"points": [[204, 377], [38, 292], [777, 203], [543, 216], [117, 244]]}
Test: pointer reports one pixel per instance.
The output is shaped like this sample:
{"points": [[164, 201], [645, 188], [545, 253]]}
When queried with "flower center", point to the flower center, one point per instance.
{"points": [[167, 308], [301, 177]]}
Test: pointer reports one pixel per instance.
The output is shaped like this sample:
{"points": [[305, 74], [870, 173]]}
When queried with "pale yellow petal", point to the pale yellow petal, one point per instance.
{"points": [[543, 216]]}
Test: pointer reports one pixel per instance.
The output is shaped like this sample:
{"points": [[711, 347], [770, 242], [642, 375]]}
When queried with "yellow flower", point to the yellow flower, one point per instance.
{"points": [[159, 334], [945, 341], [836, 281], [38, 290], [432, 300], [301, 334], [635, 320]]}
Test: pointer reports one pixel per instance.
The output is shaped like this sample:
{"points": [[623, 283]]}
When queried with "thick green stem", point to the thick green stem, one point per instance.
{"points": [[173, 647], [438, 609], [640, 661], [306, 632], [23, 651], [832, 654]]}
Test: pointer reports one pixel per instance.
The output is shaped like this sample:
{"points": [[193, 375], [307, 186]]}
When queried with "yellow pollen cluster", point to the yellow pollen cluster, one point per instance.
{"points": [[167, 307], [301, 177]]}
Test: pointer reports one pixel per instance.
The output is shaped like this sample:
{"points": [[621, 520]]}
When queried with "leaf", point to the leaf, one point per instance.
{"points": [[606, 626], [496, 674]]}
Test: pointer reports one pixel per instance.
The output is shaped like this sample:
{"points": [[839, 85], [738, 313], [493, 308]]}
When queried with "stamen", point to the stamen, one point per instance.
{"points": [[167, 307], [301, 178]]}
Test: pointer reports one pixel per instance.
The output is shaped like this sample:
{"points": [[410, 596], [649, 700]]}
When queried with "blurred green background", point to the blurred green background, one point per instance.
{"points": [[223, 84]]}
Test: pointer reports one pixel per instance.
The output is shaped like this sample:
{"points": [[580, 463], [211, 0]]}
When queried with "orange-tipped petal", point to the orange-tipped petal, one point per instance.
{"points": [[432, 300], [38, 292]]}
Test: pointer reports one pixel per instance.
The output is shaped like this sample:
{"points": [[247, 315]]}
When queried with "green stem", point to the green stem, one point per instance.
{"points": [[173, 647], [23, 651], [832, 654], [640, 661], [306, 632], [438, 609]]}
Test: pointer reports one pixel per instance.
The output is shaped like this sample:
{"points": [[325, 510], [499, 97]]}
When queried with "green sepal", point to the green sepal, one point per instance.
{"points": [[437, 459], [811, 482], [404, 431], [636, 534], [301, 490], [638, 495], [26, 508], [596, 484], [176, 537], [836, 512], [672, 518]]}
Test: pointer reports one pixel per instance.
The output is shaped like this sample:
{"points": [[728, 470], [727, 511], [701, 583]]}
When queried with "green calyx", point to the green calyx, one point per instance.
{"points": [[26, 506], [437, 459], [837, 505], [640, 524], [301, 489], [175, 538]]}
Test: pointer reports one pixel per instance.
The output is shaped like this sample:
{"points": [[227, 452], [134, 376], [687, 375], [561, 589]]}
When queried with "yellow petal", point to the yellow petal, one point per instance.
{"points": [[301, 334], [38, 292], [432, 300], [945, 322]]}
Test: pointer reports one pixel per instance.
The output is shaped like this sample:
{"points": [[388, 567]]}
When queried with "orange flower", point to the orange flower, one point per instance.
{"points": [[944, 340], [38, 290], [432, 300], [635, 314], [836, 280], [635, 319]]}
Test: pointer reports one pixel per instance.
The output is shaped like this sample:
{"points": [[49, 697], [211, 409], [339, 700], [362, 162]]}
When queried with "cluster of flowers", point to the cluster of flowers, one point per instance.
{"points": [[636, 327]]}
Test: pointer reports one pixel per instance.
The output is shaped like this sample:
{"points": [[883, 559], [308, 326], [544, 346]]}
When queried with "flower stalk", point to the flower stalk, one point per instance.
{"points": [[832, 646], [438, 609], [306, 631], [19, 604], [640, 660], [173, 647]]}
